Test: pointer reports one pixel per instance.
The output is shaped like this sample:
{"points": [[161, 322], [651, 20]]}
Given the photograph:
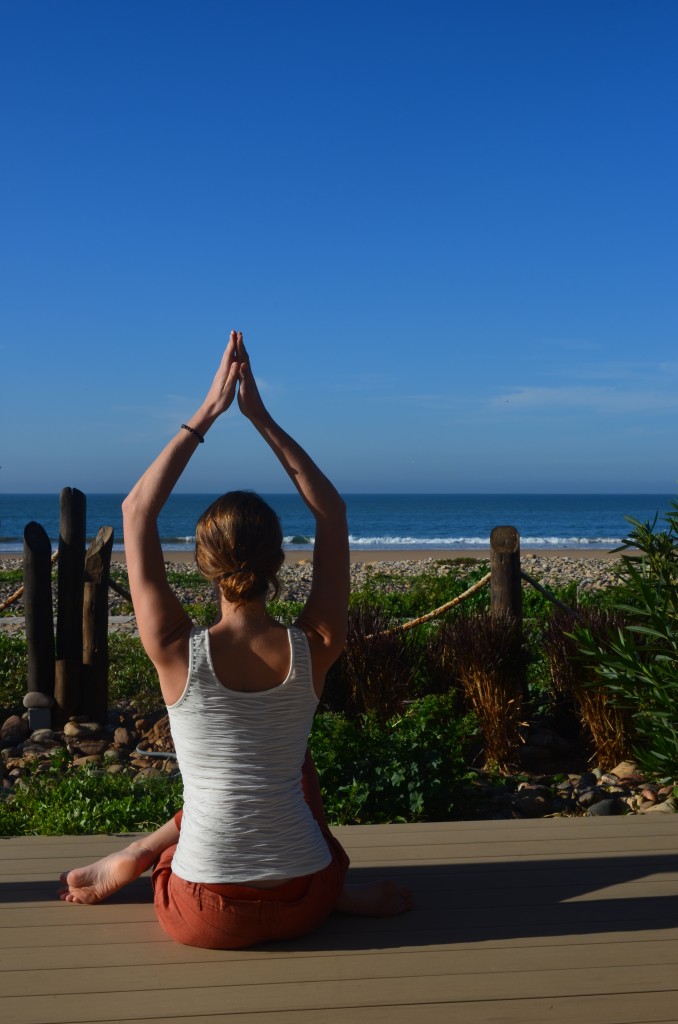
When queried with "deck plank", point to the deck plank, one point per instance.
{"points": [[518, 922]]}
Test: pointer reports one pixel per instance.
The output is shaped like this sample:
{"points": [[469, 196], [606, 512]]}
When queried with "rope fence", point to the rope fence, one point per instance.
{"points": [[437, 612], [403, 627]]}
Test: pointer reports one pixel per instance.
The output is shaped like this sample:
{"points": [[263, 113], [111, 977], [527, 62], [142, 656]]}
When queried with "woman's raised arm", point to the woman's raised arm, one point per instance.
{"points": [[324, 617], [163, 623]]}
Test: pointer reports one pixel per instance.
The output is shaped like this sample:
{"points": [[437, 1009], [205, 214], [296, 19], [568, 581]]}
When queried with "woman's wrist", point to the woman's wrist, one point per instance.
{"points": [[201, 421]]}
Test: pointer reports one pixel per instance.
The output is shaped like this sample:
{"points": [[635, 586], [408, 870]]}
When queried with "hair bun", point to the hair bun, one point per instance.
{"points": [[238, 584]]}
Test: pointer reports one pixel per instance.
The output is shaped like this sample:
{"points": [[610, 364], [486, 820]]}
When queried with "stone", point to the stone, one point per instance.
{"points": [[160, 737], [624, 769], [531, 804], [87, 759], [141, 762], [43, 736], [87, 747], [669, 806], [605, 807], [113, 756], [587, 781], [13, 732], [33, 750], [35, 699], [77, 730], [633, 802], [591, 796], [649, 795], [125, 737]]}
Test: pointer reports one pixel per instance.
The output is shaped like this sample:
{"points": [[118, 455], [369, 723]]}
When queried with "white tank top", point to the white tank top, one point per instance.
{"points": [[240, 754]]}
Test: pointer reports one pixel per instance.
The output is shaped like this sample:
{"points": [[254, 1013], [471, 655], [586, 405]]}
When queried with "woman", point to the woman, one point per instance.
{"points": [[250, 858]]}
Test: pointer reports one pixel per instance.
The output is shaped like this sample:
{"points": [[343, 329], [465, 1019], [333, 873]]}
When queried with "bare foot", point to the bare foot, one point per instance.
{"points": [[375, 899], [98, 881]]}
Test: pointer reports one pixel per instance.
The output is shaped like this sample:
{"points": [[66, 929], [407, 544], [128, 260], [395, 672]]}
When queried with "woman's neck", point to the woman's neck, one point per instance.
{"points": [[245, 612]]}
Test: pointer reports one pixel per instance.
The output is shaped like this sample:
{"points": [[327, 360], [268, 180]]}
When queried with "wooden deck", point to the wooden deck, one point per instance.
{"points": [[517, 921]]}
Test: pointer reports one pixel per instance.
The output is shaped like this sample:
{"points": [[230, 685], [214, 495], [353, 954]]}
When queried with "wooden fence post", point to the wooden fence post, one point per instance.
{"points": [[39, 697], [94, 681], [72, 507], [506, 592], [505, 587]]}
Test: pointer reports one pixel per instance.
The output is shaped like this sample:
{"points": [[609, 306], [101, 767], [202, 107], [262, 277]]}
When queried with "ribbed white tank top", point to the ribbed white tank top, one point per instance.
{"points": [[240, 754]]}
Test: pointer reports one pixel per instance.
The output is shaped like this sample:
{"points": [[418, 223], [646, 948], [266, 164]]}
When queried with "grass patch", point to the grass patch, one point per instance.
{"points": [[13, 576], [13, 672]]}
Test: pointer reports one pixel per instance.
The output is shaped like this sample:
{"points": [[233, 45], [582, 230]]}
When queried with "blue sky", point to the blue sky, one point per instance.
{"points": [[448, 231]]}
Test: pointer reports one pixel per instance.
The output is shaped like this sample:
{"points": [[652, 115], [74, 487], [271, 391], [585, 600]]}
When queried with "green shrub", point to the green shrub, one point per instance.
{"points": [[409, 768], [638, 662]]}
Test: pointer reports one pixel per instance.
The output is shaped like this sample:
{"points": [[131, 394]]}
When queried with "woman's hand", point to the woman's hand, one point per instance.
{"points": [[249, 399], [222, 392]]}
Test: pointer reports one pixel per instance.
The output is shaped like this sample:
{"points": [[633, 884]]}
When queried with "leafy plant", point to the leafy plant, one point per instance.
{"points": [[408, 768], [638, 662]]}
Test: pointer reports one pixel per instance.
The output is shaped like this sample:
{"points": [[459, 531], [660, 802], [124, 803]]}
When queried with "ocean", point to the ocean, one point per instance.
{"points": [[379, 521]]}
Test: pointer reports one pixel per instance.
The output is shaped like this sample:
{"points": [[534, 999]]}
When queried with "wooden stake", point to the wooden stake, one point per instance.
{"points": [[38, 610], [72, 508], [506, 592], [94, 681]]}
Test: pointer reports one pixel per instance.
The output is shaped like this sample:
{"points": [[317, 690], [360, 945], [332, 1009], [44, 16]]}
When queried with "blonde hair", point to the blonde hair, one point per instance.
{"points": [[238, 546]]}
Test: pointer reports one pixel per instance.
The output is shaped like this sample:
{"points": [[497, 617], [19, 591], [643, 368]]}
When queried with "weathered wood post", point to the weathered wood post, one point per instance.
{"points": [[39, 697], [506, 592], [505, 588], [69, 602], [94, 680]]}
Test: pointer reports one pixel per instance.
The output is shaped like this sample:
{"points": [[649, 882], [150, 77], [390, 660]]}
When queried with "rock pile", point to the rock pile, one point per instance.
{"points": [[118, 746], [595, 793]]}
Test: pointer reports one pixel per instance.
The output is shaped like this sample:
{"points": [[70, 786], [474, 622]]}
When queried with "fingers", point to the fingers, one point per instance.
{"points": [[241, 351]]}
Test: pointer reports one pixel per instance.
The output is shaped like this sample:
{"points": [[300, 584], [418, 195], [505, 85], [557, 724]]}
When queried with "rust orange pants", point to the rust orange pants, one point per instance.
{"points": [[236, 916]]}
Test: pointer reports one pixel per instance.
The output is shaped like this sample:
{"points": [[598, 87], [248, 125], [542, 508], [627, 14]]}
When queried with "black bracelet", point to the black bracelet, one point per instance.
{"points": [[192, 430]]}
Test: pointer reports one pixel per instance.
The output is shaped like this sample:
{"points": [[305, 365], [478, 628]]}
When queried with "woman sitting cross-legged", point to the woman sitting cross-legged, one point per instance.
{"points": [[250, 858]]}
